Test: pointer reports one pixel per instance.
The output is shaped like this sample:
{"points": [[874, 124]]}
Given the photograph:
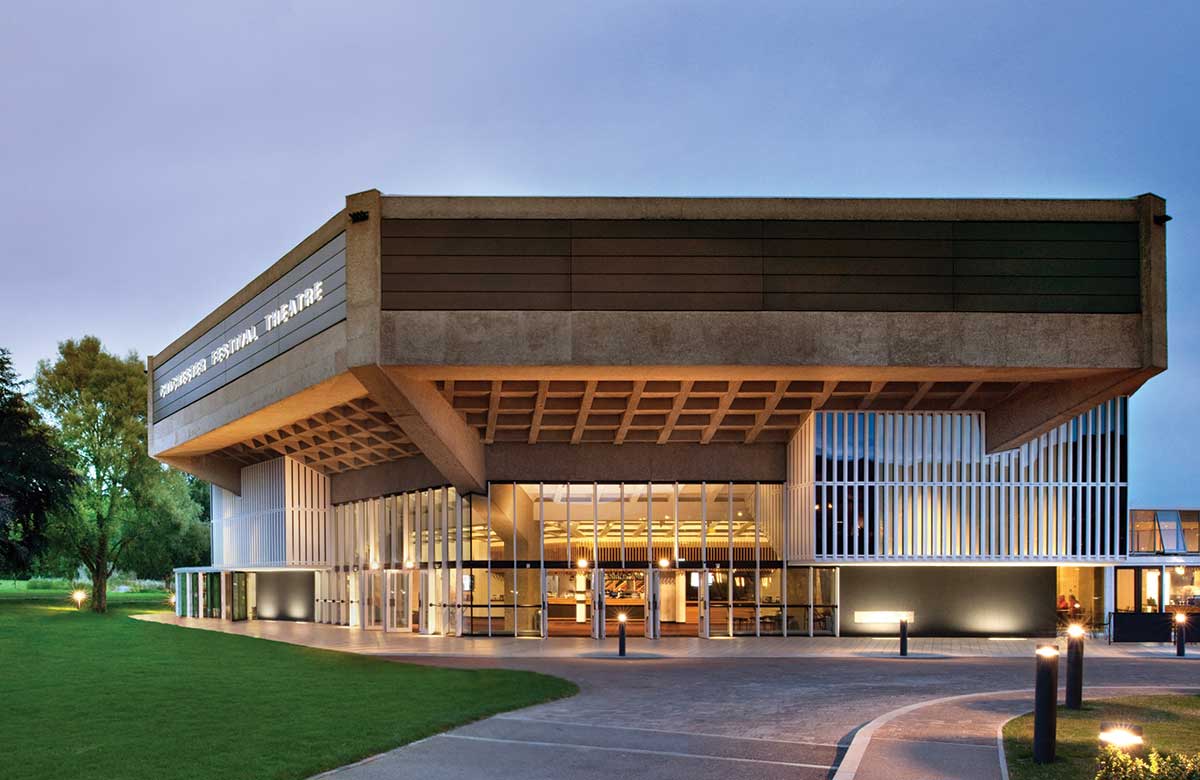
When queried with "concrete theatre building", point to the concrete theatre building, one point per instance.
{"points": [[717, 417]]}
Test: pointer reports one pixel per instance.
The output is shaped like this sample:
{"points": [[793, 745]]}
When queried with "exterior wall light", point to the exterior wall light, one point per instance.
{"points": [[1122, 736], [78, 596], [664, 563], [582, 563], [408, 564], [374, 565]]}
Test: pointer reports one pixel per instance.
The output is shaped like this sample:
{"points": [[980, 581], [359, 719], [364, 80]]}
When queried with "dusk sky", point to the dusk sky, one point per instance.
{"points": [[156, 157]]}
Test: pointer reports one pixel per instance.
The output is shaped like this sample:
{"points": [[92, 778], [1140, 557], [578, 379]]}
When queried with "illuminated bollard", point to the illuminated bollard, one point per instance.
{"points": [[903, 637], [1180, 633], [621, 635], [1045, 699], [1075, 667]]}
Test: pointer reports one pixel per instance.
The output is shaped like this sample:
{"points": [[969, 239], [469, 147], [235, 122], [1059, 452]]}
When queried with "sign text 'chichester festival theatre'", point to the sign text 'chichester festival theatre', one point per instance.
{"points": [[272, 319]]}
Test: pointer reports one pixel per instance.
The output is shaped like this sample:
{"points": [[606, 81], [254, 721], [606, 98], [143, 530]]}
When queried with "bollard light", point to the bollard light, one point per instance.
{"points": [[171, 599], [621, 618], [1180, 633], [1045, 697], [1075, 667], [78, 597], [903, 637], [1122, 736], [582, 563], [664, 563]]}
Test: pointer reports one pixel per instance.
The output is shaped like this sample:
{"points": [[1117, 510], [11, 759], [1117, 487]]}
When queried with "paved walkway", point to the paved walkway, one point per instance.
{"points": [[408, 644], [951, 737], [764, 708]]}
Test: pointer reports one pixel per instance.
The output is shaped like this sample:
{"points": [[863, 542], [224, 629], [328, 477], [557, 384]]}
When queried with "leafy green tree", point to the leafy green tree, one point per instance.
{"points": [[172, 532], [202, 495], [36, 477], [98, 401]]}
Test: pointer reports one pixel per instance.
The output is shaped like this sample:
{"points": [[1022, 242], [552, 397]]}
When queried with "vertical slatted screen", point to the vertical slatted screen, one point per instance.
{"points": [[279, 520], [800, 492], [918, 486]]}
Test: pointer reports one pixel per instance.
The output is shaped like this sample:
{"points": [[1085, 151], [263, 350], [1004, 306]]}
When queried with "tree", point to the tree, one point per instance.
{"points": [[202, 495], [172, 531], [36, 477], [98, 401]]}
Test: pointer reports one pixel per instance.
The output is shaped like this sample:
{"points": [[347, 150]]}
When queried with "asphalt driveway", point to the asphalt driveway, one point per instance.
{"points": [[710, 718]]}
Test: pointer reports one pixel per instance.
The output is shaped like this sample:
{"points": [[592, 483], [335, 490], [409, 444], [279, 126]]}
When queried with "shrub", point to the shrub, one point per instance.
{"points": [[1113, 764], [48, 583]]}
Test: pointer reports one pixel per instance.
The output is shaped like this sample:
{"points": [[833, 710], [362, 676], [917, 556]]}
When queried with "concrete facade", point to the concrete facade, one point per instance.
{"points": [[709, 374]]}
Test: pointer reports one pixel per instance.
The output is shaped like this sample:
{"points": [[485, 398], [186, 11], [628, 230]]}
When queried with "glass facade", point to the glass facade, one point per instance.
{"points": [[1165, 531], [539, 559]]}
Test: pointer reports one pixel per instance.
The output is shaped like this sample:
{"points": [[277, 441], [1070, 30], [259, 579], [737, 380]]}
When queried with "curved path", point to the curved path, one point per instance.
{"points": [[698, 709], [951, 737]]}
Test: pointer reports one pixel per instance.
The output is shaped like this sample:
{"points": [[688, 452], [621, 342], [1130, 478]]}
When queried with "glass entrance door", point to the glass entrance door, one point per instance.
{"points": [[678, 595], [373, 606], [240, 600], [599, 607], [399, 606], [624, 593], [569, 602], [650, 625]]}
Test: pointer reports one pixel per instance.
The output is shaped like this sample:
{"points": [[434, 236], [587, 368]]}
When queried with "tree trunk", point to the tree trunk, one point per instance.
{"points": [[100, 574], [100, 590]]}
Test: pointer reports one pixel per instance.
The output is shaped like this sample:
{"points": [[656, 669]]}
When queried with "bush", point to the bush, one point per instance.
{"points": [[1113, 764], [48, 583]]}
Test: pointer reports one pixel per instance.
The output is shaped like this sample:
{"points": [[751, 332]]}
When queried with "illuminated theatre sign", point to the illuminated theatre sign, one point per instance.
{"points": [[272, 319], [303, 302]]}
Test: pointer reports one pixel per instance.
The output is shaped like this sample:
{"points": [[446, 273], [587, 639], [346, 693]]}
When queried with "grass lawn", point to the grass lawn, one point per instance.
{"points": [[1171, 724], [19, 590], [106, 696]]}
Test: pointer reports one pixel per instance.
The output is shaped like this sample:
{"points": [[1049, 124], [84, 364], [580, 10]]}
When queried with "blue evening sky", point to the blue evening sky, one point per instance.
{"points": [[154, 157]]}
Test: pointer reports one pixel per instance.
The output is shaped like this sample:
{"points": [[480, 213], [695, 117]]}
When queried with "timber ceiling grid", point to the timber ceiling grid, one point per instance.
{"points": [[688, 411], [353, 435]]}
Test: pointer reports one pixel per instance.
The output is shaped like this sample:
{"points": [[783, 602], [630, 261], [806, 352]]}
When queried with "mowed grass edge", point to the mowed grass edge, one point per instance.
{"points": [[106, 696], [1171, 724]]}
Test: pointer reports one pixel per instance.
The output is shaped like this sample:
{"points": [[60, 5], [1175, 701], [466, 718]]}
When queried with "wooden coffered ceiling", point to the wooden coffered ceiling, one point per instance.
{"points": [[359, 432], [688, 411], [349, 436]]}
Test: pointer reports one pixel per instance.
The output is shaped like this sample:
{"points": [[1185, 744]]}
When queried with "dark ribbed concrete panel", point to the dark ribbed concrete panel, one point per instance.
{"points": [[760, 265]]}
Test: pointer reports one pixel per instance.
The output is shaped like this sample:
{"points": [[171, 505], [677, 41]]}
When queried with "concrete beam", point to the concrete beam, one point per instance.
{"points": [[430, 423], [398, 476], [825, 345], [362, 277], [1005, 209], [637, 462], [221, 472], [1043, 407]]}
